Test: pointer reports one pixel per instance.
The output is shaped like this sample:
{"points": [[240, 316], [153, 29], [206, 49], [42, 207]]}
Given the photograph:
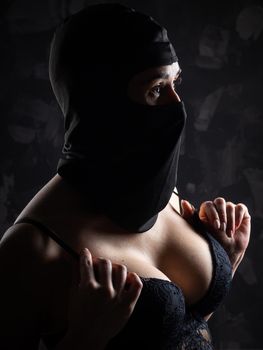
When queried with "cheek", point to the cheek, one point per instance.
{"points": [[144, 96], [138, 94], [150, 100]]}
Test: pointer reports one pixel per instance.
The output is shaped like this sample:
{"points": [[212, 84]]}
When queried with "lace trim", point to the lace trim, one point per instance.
{"points": [[222, 273]]}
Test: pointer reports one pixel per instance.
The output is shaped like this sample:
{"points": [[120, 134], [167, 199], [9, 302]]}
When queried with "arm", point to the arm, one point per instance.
{"points": [[99, 306], [21, 313]]}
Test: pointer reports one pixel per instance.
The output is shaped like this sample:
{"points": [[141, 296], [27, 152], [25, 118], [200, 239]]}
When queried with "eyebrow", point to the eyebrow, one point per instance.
{"points": [[160, 75]]}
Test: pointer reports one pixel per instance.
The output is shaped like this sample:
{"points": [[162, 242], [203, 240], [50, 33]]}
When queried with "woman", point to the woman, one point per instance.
{"points": [[147, 277]]}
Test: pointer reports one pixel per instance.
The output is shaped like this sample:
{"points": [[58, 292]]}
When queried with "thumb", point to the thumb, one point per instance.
{"points": [[187, 209]]}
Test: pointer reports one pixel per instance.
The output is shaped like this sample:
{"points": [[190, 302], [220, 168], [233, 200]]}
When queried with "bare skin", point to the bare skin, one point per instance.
{"points": [[44, 289]]}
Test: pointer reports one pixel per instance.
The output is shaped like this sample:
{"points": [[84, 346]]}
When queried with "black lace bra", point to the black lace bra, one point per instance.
{"points": [[161, 319]]}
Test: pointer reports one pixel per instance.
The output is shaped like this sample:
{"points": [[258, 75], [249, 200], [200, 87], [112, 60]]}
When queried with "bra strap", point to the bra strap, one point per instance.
{"points": [[177, 194], [50, 233]]}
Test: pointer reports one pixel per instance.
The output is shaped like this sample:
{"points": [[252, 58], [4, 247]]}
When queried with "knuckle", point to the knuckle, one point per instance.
{"points": [[85, 258], [86, 253], [104, 262], [219, 200], [88, 286], [208, 204], [92, 285], [230, 205], [241, 206], [138, 283], [107, 292], [122, 269]]}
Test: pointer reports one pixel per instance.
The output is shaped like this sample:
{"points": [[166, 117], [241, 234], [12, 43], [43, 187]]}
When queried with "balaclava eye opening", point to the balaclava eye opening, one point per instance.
{"points": [[122, 156]]}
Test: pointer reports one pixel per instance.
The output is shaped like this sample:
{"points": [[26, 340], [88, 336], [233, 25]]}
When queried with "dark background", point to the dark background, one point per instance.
{"points": [[220, 49]]}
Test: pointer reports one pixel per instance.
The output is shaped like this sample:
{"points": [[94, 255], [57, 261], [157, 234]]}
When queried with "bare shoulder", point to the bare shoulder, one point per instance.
{"points": [[22, 238], [28, 253], [22, 258]]}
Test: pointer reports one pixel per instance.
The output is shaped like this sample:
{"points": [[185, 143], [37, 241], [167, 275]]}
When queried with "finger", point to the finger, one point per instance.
{"points": [[104, 272], [230, 210], [86, 267], [131, 293], [187, 209], [240, 211], [208, 212], [220, 205], [119, 276]]}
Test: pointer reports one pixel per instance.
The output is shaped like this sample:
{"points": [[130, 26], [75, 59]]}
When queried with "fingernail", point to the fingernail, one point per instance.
{"points": [[223, 226], [217, 224]]}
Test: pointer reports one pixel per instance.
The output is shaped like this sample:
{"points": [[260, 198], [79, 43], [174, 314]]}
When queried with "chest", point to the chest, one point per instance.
{"points": [[172, 251]]}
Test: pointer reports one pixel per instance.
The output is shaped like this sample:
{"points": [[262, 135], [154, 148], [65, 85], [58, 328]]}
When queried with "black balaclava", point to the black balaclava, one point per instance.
{"points": [[123, 156]]}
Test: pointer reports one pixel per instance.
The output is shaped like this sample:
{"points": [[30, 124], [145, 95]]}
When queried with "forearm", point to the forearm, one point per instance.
{"points": [[73, 341], [235, 261]]}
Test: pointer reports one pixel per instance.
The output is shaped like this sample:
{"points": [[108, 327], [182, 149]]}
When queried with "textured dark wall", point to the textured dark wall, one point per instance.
{"points": [[220, 47]]}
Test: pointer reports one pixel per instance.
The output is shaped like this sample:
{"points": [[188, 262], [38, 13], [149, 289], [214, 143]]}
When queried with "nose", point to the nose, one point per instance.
{"points": [[173, 95]]}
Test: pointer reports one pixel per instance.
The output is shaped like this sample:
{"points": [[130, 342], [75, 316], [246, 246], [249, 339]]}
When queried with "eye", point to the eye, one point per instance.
{"points": [[156, 90], [177, 81]]}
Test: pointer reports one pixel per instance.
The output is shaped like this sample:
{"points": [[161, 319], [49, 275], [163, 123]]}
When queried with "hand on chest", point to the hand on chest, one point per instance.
{"points": [[171, 250]]}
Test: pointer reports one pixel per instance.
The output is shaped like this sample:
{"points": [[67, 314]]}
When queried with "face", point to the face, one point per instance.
{"points": [[156, 86]]}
